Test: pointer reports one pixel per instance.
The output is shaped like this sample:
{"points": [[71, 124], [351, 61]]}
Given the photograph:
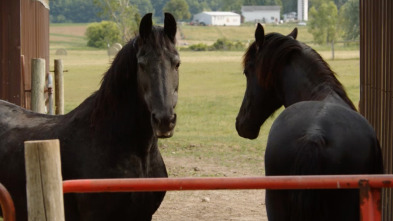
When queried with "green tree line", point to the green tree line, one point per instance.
{"points": [[82, 11], [328, 19]]}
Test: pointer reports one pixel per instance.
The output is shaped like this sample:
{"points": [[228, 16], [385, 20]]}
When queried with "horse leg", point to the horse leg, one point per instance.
{"points": [[277, 206]]}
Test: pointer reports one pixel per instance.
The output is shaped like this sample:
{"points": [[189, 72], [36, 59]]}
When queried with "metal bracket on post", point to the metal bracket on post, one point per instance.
{"points": [[370, 202]]}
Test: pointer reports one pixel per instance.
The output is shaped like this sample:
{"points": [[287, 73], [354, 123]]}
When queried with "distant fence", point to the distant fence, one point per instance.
{"points": [[38, 88], [376, 80]]}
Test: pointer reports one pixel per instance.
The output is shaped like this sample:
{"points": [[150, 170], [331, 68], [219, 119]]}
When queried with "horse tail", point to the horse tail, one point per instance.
{"points": [[307, 203]]}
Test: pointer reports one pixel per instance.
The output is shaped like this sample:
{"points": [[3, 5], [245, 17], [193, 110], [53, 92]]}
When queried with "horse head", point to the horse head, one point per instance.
{"points": [[158, 72], [261, 98]]}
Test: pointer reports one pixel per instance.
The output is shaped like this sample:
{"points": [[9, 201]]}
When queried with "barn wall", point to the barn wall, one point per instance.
{"points": [[376, 80], [34, 38], [10, 62], [24, 34]]}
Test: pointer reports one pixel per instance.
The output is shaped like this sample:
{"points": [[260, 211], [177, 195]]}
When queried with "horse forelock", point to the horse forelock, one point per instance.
{"points": [[275, 52], [270, 57], [159, 40]]}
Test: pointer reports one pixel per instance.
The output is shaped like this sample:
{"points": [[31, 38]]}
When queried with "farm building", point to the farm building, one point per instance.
{"points": [[24, 34], [217, 18], [302, 10], [263, 14]]}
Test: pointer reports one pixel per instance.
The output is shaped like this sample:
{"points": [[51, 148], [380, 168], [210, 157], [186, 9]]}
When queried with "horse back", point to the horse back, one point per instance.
{"points": [[338, 139], [317, 138]]}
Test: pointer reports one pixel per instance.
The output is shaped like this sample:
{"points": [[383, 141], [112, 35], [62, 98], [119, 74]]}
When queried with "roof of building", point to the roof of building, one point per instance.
{"points": [[220, 13], [252, 8]]}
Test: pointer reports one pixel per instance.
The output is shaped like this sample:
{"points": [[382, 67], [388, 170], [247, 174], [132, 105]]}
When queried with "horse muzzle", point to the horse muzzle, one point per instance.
{"points": [[247, 130], [164, 125]]}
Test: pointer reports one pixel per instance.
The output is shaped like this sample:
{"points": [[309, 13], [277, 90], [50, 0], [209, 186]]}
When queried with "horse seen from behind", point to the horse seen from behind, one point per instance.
{"points": [[112, 134], [318, 133]]}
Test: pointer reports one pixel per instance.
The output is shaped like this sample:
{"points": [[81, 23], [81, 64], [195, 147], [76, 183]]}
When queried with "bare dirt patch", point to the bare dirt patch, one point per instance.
{"points": [[215, 205]]}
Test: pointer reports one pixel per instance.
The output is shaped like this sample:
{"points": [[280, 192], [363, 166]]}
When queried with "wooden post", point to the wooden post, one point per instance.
{"points": [[59, 87], [38, 85], [50, 95], [44, 181]]}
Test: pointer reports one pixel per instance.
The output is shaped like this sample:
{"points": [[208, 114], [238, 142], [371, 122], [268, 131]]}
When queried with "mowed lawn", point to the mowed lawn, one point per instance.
{"points": [[210, 94]]}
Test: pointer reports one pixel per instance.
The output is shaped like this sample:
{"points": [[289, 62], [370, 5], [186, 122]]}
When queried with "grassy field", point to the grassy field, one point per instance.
{"points": [[210, 93]]}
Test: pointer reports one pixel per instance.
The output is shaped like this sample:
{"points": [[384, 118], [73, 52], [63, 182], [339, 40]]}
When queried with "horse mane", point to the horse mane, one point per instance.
{"points": [[277, 51], [116, 84]]}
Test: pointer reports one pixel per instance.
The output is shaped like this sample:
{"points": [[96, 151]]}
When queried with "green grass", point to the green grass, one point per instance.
{"points": [[244, 33], [210, 93]]}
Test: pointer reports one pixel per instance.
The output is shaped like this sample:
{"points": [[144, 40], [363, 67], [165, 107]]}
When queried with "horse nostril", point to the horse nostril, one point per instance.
{"points": [[173, 118], [155, 119], [172, 121]]}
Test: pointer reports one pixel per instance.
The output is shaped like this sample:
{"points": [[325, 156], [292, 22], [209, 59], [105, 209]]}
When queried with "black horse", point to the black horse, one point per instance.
{"points": [[318, 133], [112, 134]]}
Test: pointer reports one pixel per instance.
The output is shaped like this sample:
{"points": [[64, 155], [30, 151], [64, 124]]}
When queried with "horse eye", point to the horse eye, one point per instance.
{"points": [[177, 65]]}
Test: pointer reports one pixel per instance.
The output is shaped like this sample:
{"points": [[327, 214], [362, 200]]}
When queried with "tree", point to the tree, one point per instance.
{"points": [[232, 5], [196, 6], [158, 6], [262, 2], [178, 8], [144, 6], [73, 11], [102, 34], [322, 23], [123, 14], [289, 6], [349, 20]]}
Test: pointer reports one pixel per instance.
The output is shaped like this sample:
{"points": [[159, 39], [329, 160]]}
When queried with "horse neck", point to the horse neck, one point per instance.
{"points": [[116, 112], [304, 80]]}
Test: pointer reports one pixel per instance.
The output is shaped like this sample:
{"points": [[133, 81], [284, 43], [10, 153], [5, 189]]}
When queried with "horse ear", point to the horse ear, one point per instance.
{"points": [[293, 34], [145, 26], [259, 34], [170, 26]]}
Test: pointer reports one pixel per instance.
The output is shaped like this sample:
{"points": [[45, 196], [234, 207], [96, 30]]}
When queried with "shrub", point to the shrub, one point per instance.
{"points": [[221, 44], [102, 34], [227, 45], [199, 47]]}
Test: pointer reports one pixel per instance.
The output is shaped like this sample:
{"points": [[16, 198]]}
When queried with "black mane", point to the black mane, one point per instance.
{"points": [[278, 50], [121, 75]]}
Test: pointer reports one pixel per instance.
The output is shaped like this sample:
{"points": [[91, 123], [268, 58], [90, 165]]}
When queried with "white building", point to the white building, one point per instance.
{"points": [[264, 14], [291, 16], [302, 10], [217, 18]]}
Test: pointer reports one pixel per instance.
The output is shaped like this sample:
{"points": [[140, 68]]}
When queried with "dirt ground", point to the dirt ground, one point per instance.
{"points": [[213, 205]]}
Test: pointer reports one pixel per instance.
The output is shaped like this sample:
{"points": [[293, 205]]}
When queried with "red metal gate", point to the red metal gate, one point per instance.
{"points": [[369, 185]]}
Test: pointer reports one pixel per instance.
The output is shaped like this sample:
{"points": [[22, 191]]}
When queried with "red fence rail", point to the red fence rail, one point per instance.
{"points": [[369, 185], [7, 205]]}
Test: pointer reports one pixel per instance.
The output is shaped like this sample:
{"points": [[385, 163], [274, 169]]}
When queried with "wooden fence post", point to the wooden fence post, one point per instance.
{"points": [[50, 95], [59, 87], [44, 181], [38, 85]]}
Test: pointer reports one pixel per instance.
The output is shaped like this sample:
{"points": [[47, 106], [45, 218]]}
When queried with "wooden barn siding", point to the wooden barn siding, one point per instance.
{"points": [[24, 33], [376, 80], [35, 39], [10, 62]]}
